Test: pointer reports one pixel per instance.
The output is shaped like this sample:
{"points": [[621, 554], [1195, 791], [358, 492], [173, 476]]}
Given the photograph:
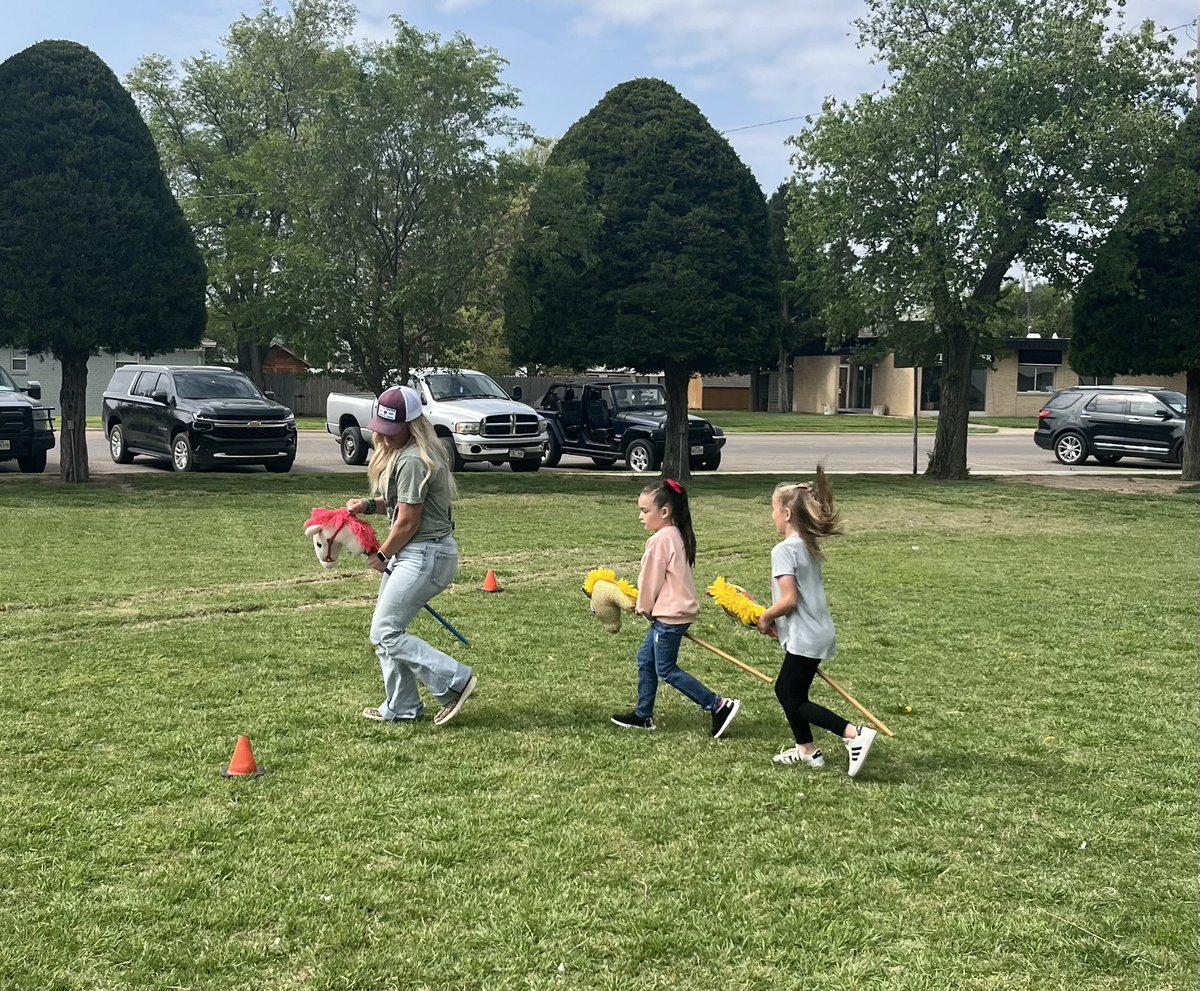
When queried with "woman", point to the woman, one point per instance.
{"points": [[412, 483]]}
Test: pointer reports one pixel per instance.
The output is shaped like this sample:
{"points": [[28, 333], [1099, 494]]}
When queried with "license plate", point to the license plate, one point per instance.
{"points": [[698, 449], [520, 452], [4, 445]]}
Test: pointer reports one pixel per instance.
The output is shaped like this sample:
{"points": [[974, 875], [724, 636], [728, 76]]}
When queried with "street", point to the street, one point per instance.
{"points": [[1009, 452]]}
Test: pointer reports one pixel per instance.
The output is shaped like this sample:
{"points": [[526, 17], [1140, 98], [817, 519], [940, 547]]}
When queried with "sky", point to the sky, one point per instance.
{"points": [[748, 64]]}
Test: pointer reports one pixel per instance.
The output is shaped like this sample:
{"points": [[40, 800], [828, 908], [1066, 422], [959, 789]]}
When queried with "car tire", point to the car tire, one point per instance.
{"points": [[526, 464], [1108, 459], [1177, 454], [640, 457], [281, 466], [604, 462], [182, 456], [711, 464], [552, 453], [117, 450], [32, 464], [354, 448], [451, 453], [1070, 448]]}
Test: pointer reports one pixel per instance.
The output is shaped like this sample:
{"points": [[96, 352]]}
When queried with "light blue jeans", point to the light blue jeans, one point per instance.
{"points": [[656, 660], [418, 573]]}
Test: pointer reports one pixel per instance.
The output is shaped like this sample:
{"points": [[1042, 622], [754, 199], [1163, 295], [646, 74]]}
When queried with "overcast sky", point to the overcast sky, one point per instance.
{"points": [[743, 62]]}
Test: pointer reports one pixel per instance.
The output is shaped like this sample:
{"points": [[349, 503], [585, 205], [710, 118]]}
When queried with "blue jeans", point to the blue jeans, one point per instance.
{"points": [[656, 660], [418, 573]]}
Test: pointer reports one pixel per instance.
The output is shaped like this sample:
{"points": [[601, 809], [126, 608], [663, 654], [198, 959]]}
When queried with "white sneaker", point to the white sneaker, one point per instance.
{"points": [[794, 755], [859, 747]]}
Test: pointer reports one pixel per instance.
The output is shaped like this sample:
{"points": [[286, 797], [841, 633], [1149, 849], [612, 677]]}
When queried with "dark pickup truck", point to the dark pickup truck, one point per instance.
{"points": [[611, 421], [26, 425]]}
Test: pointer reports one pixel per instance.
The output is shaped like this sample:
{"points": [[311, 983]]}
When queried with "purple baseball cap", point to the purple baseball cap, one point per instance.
{"points": [[393, 409]]}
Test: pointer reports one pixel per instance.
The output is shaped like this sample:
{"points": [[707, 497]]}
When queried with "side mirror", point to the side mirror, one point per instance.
{"points": [[270, 395], [159, 396], [424, 401], [516, 393], [1166, 414], [33, 389]]}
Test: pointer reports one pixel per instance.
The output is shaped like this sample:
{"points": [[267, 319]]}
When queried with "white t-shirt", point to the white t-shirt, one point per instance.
{"points": [[808, 630]]}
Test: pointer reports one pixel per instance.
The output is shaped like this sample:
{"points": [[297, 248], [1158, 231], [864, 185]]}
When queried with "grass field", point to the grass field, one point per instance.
{"points": [[1032, 826]]}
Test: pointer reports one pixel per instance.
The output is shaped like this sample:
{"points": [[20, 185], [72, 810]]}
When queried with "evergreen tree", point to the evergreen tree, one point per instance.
{"points": [[94, 251]]}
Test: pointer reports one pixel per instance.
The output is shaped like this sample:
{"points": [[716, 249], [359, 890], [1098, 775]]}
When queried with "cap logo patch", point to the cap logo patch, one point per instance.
{"points": [[386, 413]]}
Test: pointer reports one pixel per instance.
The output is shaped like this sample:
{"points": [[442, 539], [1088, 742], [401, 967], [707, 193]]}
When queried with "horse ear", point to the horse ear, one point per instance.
{"points": [[313, 530]]}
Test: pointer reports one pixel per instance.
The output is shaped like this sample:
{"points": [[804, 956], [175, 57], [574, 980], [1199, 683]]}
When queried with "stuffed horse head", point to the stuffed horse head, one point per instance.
{"points": [[337, 530], [609, 596]]}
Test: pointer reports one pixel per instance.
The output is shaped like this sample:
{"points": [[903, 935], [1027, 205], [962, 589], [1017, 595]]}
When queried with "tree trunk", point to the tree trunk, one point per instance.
{"points": [[785, 405], [675, 461], [1191, 432], [72, 401], [250, 361], [949, 457]]}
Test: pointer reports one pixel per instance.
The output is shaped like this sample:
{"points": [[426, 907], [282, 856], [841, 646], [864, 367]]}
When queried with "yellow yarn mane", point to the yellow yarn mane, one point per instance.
{"points": [[736, 601]]}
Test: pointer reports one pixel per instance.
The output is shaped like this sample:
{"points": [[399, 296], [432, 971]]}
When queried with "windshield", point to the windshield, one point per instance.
{"points": [[7, 384], [1176, 400], [639, 396], [463, 385], [215, 385]]}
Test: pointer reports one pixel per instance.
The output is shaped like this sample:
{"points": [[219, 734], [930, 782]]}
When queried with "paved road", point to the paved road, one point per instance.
{"points": [[1009, 452]]}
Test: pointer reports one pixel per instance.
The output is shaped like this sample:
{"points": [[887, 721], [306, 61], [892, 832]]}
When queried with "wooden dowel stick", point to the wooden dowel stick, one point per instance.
{"points": [[731, 660], [853, 701]]}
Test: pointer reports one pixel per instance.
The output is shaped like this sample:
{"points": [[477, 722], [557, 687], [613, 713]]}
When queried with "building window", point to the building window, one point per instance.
{"points": [[1095, 380], [20, 364], [1036, 378]]}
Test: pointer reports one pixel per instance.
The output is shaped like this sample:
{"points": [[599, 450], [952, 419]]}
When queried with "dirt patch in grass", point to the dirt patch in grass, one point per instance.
{"points": [[1110, 483]]}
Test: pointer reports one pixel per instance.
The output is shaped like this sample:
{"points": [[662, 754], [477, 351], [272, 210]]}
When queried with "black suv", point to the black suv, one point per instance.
{"points": [[197, 416], [26, 425], [1111, 422], [609, 421]]}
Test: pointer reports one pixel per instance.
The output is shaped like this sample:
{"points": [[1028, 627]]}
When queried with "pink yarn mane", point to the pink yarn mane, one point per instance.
{"points": [[338, 519]]}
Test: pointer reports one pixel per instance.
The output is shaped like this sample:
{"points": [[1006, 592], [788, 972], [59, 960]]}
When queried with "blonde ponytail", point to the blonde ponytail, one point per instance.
{"points": [[812, 512]]}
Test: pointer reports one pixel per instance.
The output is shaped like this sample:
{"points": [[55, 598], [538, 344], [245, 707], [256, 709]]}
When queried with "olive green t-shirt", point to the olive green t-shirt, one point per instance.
{"points": [[405, 486]]}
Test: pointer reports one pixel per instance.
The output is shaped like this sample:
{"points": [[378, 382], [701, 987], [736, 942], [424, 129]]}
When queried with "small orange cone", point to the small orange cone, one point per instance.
{"points": [[489, 583], [242, 764]]}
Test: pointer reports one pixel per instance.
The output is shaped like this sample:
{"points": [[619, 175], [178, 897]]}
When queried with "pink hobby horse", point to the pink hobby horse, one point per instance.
{"points": [[337, 530]]}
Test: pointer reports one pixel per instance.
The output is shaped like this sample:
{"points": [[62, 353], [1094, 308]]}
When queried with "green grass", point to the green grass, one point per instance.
{"points": [[1032, 826], [740, 421]]}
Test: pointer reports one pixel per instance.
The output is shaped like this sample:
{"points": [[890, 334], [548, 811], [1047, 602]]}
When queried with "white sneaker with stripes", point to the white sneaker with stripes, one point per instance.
{"points": [[859, 747]]}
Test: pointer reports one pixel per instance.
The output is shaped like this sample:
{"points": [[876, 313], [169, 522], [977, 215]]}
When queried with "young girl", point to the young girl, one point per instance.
{"points": [[799, 616], [667, 597], [411, 482]]}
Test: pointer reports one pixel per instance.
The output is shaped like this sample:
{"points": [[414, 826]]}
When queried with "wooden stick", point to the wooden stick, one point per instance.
{"points": [[731, 660], [853, 701]]}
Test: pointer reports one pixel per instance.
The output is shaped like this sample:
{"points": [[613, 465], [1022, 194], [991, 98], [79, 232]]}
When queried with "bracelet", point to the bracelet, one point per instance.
{"points": [[383, 558], [369, 508]]}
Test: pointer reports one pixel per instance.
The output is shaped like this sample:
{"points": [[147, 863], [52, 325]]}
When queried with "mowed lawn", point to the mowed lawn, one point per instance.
{"points": [[1032, 825]]}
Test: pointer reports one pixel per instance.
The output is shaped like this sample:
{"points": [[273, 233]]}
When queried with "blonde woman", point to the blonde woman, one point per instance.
{"points": [[418, 558]]}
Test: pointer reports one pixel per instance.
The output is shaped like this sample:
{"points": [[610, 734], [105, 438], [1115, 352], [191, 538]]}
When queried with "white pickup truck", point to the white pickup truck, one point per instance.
{"points": [[475, 420]]}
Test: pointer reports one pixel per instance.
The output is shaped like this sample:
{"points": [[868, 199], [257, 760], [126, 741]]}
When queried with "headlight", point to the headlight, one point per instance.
{"points": [[290, 418], [541, 425], [467, 428], [41, 414], [717, 431], [199, 423]]}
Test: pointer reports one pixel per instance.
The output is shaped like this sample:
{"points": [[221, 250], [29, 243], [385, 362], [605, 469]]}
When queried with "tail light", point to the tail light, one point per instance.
{"points": [[1042, 414]]}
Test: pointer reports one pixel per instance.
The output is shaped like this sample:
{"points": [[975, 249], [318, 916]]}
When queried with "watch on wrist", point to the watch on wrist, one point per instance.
{"points": [[383, 558]]}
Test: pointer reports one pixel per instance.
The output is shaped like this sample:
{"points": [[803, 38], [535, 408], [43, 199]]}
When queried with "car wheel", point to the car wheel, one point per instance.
{"points": [[604, 462], [1177, 455], [640, 457], [354, 448], [280, 465], [116, 446], [1108, 459], [451, 453], [711, 464], [1070, 449], [551, 453], [182, 458], [32, 464], [526, 464]]}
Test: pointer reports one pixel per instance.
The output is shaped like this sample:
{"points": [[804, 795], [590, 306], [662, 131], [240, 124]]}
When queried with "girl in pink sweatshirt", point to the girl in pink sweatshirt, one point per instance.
{"points": [[667, 597]]}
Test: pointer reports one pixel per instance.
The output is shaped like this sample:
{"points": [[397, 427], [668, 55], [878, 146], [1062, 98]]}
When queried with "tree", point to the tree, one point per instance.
{"points": [[1136, 313], [95, 253], [647, 246], [1008, 130]]}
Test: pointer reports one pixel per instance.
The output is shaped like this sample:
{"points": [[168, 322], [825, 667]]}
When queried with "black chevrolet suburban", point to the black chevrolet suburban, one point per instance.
{"points": [[26, 425], [197, 416]]}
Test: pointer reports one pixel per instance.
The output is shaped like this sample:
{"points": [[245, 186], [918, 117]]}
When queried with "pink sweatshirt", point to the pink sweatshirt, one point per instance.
{"points": [[666, 585]]}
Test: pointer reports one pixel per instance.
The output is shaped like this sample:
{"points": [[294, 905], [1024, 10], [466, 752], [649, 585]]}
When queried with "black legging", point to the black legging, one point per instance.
{"points": [[791, 688]]}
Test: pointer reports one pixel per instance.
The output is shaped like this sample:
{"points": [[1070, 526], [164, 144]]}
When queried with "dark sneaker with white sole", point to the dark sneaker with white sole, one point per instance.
{"points": [[724, 716], [448, 712], [631, 720], [859, 747]]}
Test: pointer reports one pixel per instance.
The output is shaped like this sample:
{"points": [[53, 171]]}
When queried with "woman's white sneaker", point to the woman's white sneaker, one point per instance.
{"points": [[794, 755], [859, 747]]}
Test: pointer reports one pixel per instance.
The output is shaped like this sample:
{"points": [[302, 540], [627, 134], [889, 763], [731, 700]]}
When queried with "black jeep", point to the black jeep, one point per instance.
{"points": [[26, 425], [611, 421]]}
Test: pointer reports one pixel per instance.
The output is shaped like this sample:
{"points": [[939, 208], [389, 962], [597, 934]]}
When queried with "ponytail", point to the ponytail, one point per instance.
{"points": [[812, 510]]}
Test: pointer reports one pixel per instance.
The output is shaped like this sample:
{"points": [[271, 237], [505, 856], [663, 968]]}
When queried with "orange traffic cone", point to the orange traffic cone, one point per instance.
{"points": [[242, 764], [489, 583]]}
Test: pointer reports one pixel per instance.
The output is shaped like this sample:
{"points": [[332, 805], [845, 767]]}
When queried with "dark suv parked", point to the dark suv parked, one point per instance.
{"points": [[197, 416], [1111, 422]]}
